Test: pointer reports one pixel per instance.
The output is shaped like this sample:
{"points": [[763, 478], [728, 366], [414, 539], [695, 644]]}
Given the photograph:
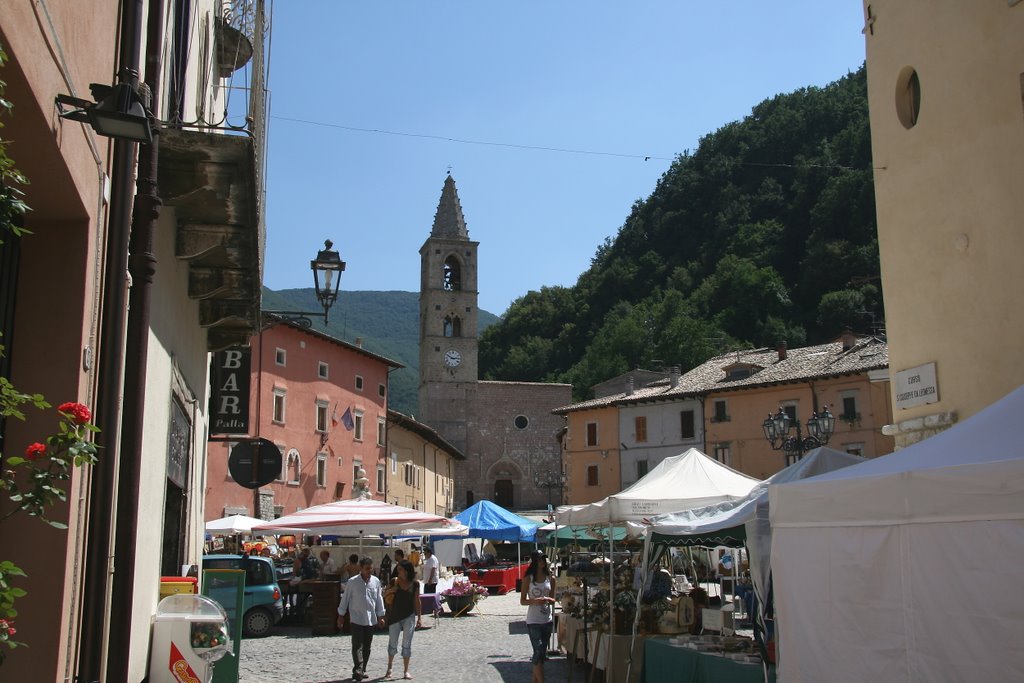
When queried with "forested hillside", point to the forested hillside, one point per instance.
{"points": [[766, 232], [387, 323]]}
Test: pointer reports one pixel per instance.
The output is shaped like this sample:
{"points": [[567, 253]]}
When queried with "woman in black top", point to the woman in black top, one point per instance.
{"points": [[402, 603]]}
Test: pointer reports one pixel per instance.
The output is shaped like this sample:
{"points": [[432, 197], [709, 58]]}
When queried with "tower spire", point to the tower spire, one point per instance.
{"points": [[449, 221]]}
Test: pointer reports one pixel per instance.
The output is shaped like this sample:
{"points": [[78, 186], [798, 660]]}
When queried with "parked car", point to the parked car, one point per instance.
{"points": [[262, 607]]}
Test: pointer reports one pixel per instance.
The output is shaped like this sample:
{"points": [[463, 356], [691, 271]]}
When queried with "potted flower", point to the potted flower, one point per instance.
{"points": [[461, 597]]}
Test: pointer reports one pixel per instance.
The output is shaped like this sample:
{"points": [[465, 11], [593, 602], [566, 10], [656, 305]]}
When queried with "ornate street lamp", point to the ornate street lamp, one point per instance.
{"points": [[549, 479], [820, 427], [327, 268]]}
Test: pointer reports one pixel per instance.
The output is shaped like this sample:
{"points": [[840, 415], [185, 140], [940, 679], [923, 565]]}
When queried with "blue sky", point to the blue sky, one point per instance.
{"points": [[620, 81]]}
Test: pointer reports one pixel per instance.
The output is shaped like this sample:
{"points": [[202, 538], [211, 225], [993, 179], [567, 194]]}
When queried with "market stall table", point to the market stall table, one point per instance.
{"points": [[502, 578], [668, 662], [430, 604]]}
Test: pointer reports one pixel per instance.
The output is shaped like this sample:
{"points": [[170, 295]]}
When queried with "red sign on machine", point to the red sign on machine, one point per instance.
{"points": [[180, 669]]}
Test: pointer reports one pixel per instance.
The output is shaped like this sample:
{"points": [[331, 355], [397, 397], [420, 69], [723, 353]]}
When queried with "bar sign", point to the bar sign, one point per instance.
{"points": [[229, 395]]}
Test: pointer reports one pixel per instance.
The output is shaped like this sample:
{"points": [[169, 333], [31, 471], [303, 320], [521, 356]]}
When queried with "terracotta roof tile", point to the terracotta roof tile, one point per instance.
{"points": [[809, 362]]}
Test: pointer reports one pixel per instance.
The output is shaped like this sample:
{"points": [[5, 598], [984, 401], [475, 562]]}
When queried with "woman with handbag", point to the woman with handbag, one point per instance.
{"points": [[402, 613]]}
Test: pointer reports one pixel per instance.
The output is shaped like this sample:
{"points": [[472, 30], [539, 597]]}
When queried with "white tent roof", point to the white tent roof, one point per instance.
{"points": [[356, 518], [679, 482], [235, 524], [731, 513], [975, 465], [885, 570]]}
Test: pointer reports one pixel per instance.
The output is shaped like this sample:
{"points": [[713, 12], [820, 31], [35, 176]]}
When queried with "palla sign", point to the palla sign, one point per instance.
{"points": [[229, 398]]}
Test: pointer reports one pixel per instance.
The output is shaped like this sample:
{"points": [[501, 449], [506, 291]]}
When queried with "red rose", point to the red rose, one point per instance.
{"points": [[35, 451], [79, 413]]}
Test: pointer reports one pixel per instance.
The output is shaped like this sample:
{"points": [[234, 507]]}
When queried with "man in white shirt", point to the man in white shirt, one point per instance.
{"points": [[328, 568], [431, 570], [363, 599]]}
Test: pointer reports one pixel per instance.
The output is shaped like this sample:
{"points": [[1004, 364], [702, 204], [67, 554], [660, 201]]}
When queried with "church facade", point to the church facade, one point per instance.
{"points": [[505, 429]]}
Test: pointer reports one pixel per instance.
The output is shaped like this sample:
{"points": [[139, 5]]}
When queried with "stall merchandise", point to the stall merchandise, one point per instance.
{"points": [[680, 482], [744, 521], [898, 569]]}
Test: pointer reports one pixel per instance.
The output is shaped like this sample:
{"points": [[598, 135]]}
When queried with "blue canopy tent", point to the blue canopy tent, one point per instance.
{"points": [[493, 522]]}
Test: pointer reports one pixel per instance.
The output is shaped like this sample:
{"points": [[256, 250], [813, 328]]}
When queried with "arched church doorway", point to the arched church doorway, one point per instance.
{"points": [[503, 492]]}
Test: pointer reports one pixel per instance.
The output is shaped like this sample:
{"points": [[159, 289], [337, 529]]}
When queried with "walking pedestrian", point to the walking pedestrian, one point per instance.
{"points": [[402, 599], [539, 593], [399, 556], [364, 601]]}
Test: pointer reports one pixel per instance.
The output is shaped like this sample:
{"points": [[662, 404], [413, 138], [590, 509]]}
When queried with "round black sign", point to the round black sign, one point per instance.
{"points": [[253, 464]]}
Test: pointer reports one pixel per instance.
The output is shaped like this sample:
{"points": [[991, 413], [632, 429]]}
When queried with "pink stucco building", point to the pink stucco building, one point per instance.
{"points": [[323, 402]]}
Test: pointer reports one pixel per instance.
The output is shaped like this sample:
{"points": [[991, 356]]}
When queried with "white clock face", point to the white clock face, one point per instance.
{"points": [[452, 358]]}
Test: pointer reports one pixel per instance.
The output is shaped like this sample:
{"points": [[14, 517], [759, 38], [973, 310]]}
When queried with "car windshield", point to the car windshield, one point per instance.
{"points": [[256, 572]]}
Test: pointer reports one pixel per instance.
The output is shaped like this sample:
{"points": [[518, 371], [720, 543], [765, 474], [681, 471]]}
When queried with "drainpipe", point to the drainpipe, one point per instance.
{"points": [[142, 266], [110, 374]]}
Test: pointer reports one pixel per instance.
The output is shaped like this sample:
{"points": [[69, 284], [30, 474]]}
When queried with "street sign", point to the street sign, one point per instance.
{"points": [[255, 463]]}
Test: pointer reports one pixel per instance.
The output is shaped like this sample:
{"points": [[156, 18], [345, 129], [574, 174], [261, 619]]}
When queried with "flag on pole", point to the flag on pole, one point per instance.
{"points": [[334, 415], [346, 419]]}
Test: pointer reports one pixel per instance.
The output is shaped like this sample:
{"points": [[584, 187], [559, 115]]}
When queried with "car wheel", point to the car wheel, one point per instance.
{"points": [[257, 623]]}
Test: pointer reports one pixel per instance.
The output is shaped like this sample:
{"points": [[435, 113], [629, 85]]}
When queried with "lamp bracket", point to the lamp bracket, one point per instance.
{"points": [[300, 318]]}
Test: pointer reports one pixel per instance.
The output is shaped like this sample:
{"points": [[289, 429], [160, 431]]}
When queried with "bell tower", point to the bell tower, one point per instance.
{"points": [[448, 320]]}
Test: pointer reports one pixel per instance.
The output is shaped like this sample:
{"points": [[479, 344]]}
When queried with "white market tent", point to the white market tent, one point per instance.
{"points": [[357, 517], [230, 526], [679, 482], [744, 521], [903, 568]]}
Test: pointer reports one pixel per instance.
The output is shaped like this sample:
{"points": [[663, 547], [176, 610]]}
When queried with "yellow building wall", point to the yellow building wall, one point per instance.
{"points": [[749, 451], [433, 490], [949, 200], [577, 456]]}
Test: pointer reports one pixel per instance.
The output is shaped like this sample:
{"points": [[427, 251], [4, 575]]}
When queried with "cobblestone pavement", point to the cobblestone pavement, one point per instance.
{"points": [[489, 644]]}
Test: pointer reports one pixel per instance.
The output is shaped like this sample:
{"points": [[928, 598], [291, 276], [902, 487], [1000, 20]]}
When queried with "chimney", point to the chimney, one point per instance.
{"points": [[674, 376], [629, 386], [780, 346], [849, 339], [359, 342]]}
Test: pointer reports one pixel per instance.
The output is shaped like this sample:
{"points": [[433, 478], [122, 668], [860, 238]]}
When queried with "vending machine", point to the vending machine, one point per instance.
{"points": [[190, 633]]}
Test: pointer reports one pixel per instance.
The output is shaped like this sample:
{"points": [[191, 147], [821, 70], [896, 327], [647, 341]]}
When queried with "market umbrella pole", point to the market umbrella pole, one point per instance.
{"points": [[636, 617]]}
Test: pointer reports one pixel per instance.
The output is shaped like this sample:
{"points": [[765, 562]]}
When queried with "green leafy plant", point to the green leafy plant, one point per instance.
{"points": [[33, 483]]}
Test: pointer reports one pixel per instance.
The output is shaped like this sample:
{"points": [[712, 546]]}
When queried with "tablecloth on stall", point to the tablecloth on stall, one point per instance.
{"points": [[665, 662]]}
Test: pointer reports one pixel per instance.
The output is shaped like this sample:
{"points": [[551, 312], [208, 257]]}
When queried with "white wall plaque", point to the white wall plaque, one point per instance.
{"points": [[916, 386]]}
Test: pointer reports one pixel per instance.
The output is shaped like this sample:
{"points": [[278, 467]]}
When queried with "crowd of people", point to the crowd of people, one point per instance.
{"points": [[367, 604], [388, 596]]}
